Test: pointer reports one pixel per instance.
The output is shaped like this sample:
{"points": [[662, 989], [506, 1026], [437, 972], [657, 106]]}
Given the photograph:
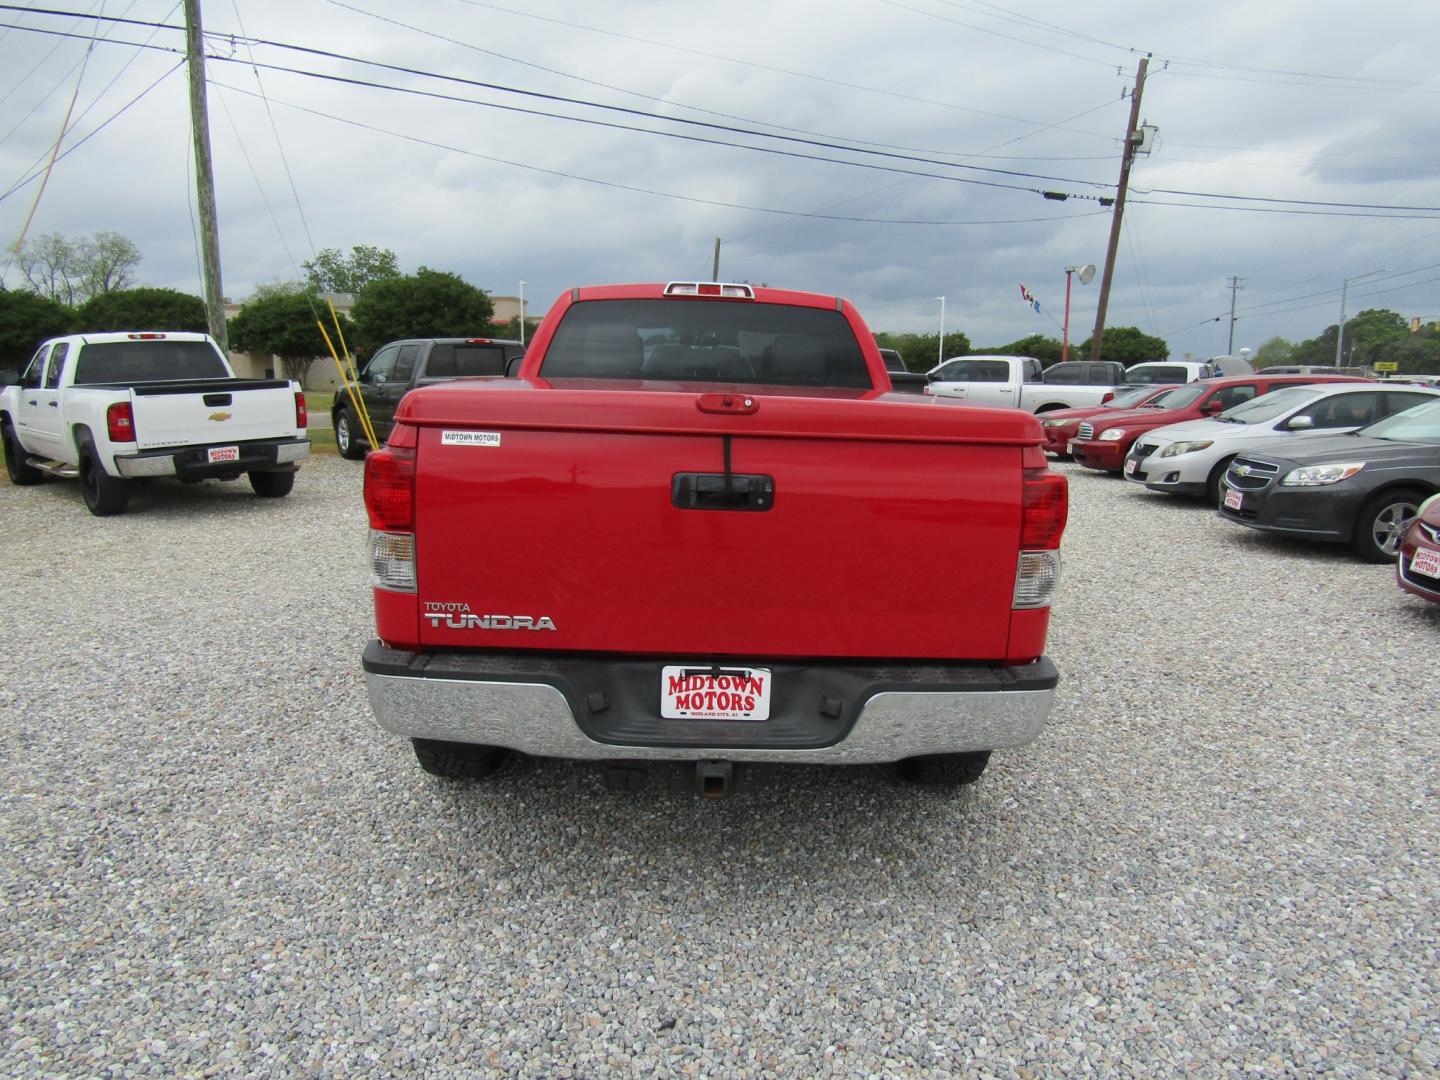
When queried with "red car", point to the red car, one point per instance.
{"points": [[1061, 425], [1418, 568], [1103, 441]]}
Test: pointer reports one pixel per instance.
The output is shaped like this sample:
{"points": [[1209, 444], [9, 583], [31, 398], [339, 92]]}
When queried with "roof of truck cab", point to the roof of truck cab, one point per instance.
{"points": [[656, 291]]}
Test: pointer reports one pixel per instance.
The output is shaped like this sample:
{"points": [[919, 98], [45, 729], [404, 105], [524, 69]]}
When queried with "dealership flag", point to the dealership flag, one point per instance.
{"points": [[1025, 295]]}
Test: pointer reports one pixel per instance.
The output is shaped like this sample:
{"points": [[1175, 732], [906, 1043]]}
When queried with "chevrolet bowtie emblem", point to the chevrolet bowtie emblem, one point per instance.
{"points": [[219, 416], [1243, 470]]}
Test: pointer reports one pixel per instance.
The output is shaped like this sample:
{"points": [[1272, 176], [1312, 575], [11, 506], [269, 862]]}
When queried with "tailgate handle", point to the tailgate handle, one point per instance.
{"points": [[217, 400], [716, 491]]}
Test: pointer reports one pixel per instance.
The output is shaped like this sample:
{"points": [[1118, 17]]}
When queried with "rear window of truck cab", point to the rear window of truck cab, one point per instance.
{"points": [[147, 361], [706, 341]]}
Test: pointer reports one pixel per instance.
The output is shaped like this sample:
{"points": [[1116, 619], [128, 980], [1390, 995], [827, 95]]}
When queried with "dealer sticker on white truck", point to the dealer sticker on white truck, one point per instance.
{"points": [[688, 693]]}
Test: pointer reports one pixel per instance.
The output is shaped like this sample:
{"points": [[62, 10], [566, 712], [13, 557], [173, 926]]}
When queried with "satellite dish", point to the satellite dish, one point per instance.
{"points": [[1087, 273]]}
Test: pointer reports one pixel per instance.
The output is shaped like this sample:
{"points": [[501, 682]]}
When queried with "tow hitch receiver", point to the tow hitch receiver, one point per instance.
{"points": [[713, 779]]}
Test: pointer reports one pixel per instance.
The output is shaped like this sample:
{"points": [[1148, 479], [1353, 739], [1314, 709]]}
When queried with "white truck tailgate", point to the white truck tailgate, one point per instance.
{"points": [[230, 411]]}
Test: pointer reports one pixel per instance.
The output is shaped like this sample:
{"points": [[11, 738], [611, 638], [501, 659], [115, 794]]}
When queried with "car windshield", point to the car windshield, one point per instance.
{"points": [[147, 360], [1132, 397], [1167, 373], [1268, 406], [706, 341], [1420, 424], [1182, 396]]}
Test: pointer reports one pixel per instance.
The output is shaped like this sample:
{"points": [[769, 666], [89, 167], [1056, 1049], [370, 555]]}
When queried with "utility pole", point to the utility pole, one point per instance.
{"points": [[1236, 284], [1126, 159], [715, 266], [204, 176]]}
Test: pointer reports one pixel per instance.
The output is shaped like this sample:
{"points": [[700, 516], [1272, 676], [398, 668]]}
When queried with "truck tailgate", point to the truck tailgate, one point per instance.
{"points": [[873, 545], [208, 412]]}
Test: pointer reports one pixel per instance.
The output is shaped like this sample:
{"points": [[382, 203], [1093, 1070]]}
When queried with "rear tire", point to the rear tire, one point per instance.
{"points": [[458, 761], [104, 494], [350, 445], [272, 485], [945, 770], [21, 473], [1382, 524]]}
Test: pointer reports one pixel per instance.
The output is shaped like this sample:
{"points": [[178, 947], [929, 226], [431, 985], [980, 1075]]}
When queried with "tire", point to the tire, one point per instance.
{"points": [[945, 770], [21, 473], [1380, 526], [104, 494], [458, 761], [1212, 483], [350, 444], [272, 485]]}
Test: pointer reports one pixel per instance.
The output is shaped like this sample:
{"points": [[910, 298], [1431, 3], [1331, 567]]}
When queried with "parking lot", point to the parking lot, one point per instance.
{"points": [[1220, 856]]}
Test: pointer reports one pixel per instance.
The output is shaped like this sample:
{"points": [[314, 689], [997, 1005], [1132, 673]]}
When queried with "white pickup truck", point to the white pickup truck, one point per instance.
{"points": [[1022, 382], [110, 407]]}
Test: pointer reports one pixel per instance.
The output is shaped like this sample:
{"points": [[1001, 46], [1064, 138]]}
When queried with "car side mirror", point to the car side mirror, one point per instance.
{"points": [[512, 366], [377, 379], [1300, 423], [9, 377], [1215, 406]]}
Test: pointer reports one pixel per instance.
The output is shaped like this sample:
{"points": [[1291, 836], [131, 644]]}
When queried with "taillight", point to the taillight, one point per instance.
{"points": [[390, 489], [1044, 508], [120, 422], [302, 417]]}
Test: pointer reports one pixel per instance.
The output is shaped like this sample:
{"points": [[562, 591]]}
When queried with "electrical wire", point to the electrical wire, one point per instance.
{"points": [[641, 190], [997, 33]]}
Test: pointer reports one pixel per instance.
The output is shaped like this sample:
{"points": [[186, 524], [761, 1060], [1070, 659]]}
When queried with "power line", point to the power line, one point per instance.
{"points": [[997, 33], [640, 190]]}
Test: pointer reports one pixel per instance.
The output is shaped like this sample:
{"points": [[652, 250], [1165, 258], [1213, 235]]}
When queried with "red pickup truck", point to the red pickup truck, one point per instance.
{"points": [[702, 488]]}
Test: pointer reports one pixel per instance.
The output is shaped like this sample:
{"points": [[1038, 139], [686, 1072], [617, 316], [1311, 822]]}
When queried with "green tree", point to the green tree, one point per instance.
{"points": [[72, 271], [282, 321], [428, 303], [333, 272], [1373, 333], [1127, 344], [1039, 346], [142, 309], [1274, 352], [26, 319], [921, 352]]}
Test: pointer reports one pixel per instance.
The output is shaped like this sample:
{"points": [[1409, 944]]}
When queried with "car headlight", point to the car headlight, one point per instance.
{"points": [[1320, 475], [1112, 434], [1054, 423], [1175, 449]]}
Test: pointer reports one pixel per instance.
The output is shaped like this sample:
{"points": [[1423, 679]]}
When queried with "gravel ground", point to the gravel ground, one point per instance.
{"points": [[1220, 857]]}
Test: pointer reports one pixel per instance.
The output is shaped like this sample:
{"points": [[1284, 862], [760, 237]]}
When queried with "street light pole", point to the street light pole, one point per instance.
{"points": [[941, 358], [522, 313], [1344, 288], [1065, 329]]}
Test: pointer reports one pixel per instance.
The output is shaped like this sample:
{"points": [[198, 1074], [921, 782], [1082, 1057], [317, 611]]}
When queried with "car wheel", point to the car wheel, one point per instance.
{"points": [[272, 485], [1383, 523], [104, 494], [1217, 474], [21, 473], [347, 442], [458, 761], [945, 770]]}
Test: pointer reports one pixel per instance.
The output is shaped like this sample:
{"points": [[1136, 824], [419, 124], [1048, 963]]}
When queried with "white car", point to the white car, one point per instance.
{"points": [[1191, 458]]}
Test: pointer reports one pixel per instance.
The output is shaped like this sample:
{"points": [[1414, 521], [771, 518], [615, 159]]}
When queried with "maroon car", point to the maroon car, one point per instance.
{"points": [[1103, 441], [1418, 568], [1060, 425]]}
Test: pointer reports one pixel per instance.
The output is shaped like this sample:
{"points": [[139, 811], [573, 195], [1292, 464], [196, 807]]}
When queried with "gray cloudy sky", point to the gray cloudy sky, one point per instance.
{"points": [[1335, 103]]}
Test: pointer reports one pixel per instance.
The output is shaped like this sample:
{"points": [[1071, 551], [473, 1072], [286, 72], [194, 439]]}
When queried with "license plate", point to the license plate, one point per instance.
{"points": [[1233, 499], [1426, 562], [1131, 466], [715, 693], [222, 453]]}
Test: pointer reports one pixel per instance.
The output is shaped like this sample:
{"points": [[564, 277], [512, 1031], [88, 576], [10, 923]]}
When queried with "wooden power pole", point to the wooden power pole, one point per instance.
{"points": [[1126, 159], [204, 176]]}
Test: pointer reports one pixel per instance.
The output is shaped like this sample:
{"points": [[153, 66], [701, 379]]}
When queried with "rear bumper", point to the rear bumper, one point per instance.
{"points": [[192, 462], [609, 709]]}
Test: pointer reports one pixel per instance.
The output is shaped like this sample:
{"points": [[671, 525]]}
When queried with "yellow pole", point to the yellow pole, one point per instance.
{"points": [[356, 399]]}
